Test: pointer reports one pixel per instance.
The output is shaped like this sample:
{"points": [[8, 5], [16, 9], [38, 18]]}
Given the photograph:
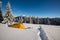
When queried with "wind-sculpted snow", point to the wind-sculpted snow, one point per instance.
{"points": [[42, 34]]}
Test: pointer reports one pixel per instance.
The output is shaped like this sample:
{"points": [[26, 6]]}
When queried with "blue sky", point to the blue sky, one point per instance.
{"points": [[41, 8]]}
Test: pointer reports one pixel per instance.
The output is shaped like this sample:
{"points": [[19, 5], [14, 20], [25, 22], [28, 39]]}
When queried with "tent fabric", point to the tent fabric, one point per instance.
{"points": [[19, 25]]}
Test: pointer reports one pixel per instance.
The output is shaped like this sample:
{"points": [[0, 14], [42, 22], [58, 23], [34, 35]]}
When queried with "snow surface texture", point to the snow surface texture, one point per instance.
{"points": [[8, 33], [32, 32], [52, 32]]}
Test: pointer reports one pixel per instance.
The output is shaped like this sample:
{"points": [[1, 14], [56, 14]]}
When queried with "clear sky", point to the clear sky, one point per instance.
{"points": [[41, 8]]}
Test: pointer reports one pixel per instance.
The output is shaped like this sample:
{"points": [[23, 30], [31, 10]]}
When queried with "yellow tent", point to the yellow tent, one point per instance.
{"points": [[19, 25]]}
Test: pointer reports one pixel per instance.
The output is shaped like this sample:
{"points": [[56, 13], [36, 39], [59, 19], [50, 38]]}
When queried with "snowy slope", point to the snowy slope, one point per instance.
{"points": [[32, 32], [52, 32], [8, 33]]}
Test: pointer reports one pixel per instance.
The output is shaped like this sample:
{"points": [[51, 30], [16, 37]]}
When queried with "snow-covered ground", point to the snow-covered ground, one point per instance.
{"points": [[32, 32], [52, 32], [8, 33]]}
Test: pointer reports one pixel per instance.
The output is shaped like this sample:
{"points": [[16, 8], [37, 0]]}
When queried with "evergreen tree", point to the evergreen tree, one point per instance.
{"points": [[1, 17]]}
